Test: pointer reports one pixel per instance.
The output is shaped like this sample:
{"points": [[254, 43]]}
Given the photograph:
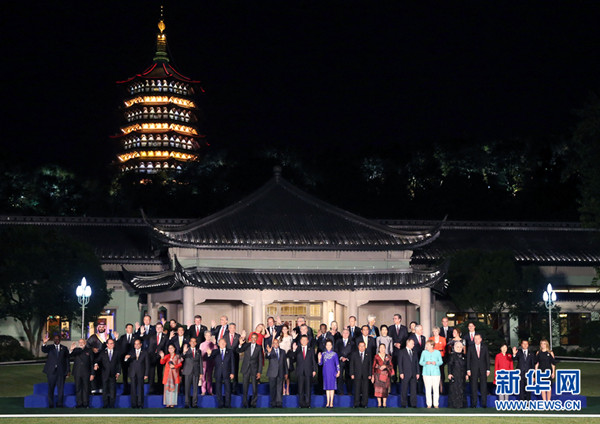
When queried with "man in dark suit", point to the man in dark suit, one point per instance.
{"points": [[478, 369], [370, 342], [306, 369], [233, 341], [399, 334], [191, 371], [470, 336], [179, 340], [219, 330], [196, 330], [56, 369], [353, 328], [111, 369], [344, 347], [139, 364], [155, 343], [419, 347], [525, 361], [277, 372], [252, 365], [273, 329], [446, 330], [146, 329], [409, 373], [361, 369], [124, 346], [83, 371], [300, 321], [223, 372], [305, 330]]}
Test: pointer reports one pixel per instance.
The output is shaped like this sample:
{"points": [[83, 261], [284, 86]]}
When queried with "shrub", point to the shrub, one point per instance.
{"points": [[11, 350]]}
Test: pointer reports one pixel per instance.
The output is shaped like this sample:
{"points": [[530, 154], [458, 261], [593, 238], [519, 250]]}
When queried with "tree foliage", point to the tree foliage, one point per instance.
{"points": [[40, 269]]}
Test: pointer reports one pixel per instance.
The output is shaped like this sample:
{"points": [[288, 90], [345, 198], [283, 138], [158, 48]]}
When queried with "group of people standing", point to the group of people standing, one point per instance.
{"points": [[358, 360]]}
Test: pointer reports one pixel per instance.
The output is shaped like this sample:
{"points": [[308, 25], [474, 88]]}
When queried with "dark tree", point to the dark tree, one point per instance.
{"points": [[39, 271]]}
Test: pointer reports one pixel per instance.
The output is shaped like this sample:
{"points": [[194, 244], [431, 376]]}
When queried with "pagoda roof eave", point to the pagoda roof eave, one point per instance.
{"points": [[171, 72]]}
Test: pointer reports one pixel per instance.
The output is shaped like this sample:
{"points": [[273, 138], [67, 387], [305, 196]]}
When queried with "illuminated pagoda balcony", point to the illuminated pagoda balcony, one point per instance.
{"points": [[160, 117]]}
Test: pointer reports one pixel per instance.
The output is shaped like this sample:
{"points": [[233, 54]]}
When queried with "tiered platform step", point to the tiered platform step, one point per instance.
{"points": [[39, 399]]}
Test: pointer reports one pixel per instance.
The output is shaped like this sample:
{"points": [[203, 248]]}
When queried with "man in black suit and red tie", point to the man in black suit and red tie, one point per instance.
{"points": [[233, 341], [470, 336], [57, 368], [139, 367], [274, 329], [219, 330], [191, 372], [525, 361], [361, 370], [196, 330], [409, 373], [370, 342], [155, 343], [420, 341], [306, 369], [223, 372], [478, 369]]}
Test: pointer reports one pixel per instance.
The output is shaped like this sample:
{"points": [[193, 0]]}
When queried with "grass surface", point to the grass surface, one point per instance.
{"points": [[298, 419]]}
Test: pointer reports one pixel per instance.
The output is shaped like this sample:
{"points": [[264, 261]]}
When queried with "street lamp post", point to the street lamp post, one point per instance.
{"points": [[549, 297], [84, 292]]}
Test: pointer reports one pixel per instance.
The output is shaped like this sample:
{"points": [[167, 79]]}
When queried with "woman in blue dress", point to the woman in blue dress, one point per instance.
{"points": [[331, 371]]}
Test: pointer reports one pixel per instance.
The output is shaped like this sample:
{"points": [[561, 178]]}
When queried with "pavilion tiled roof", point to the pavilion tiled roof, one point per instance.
{"points": [[283, 279], [539, 243], [280, 216]]}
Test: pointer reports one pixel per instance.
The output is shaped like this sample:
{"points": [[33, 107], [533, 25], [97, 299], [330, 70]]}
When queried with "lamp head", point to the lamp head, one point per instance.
{"points": [[545, 296], [549, 288]]}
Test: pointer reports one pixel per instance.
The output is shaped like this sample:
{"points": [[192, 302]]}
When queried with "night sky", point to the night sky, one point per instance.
{"points": [[347, 75]]}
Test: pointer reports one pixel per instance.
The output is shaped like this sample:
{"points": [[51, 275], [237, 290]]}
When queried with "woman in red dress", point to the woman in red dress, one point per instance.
{"points": [[383, 370], [504, 361], [171, 379]]}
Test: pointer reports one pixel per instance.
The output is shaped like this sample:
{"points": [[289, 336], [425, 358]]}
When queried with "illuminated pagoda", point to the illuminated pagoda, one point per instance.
{"points": [[160, 130]]}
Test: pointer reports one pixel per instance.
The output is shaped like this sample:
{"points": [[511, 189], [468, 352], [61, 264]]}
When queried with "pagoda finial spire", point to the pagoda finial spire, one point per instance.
{"points": [[161, 55]]}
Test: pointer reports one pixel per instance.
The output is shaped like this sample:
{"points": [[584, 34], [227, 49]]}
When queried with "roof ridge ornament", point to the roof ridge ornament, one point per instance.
{"points": [[161, 55]]}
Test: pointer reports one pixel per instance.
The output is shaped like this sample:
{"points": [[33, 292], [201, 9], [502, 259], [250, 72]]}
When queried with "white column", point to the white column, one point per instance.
{"points": [[152, 310], [425, 311], [352, 308], [188, 304], [257, 310]]}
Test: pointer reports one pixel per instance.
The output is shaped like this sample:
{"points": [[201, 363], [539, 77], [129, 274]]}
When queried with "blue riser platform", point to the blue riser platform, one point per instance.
{"points": [[39, 399]]}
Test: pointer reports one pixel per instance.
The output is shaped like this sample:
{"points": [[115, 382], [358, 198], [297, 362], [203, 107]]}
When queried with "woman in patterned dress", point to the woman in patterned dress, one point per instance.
{"points": [[383, 370], [171, 380]]}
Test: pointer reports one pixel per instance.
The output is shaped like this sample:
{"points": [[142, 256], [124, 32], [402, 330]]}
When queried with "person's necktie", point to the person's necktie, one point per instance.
{"points": [[137, 355], [222, 355], [251, 349], [471, 337], [221, 332], [478, 351], [304, 353], [410, 354], [231, 340], [193, 353], [57, 350], [277, 352], [525, 354], [197, 331], [362, 356], [110, 355], [345, 341]]}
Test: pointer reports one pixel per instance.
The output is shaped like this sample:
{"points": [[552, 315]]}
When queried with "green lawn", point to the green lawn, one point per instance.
{"points": [[298, 419]]}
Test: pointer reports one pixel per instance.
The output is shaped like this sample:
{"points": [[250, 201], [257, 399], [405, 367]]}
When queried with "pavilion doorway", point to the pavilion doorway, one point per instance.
{"points": [[290, 311]]}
